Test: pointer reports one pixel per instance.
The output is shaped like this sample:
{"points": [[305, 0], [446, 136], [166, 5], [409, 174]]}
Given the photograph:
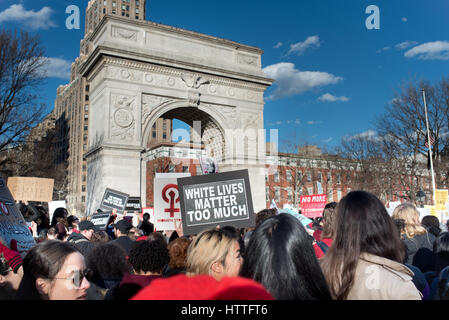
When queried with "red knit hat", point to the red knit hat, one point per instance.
{"points": [[12, 257], [203, 287]]}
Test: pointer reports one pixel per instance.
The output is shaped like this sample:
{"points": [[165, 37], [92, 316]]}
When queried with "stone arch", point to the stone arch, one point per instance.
{"points": [[212, 130]]}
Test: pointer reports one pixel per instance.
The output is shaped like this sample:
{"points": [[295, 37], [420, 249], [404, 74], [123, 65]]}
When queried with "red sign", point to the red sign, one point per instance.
{"points": [[313, 206], [174, 198]]}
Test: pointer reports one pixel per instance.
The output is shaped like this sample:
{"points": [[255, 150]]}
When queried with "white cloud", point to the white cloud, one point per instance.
{"points": [[327, 97], [404, 19], [291, 81], [405, 45], [278, 45], [328, 140], [297, 121], [32, 19], [383, 49], [57, 68], [437, 50], [369, 135], [300, 47], [314, 122]]}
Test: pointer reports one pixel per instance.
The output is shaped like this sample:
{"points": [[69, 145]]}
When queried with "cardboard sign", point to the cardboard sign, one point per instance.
{"points": [[167, 210], [114, 200], [12, 224], [31, 189], [133, 204], [313, 206], [100, 220], [219, 199]]}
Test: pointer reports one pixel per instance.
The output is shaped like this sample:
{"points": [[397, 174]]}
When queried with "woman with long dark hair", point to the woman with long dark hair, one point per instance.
{"points": [[60, 223], [365, 259], [53, 270], [280, 256]]}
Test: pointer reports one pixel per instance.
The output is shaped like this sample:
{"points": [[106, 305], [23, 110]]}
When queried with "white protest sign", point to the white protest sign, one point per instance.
{"points": [[150, 211], [394, 204], [167, 210]]}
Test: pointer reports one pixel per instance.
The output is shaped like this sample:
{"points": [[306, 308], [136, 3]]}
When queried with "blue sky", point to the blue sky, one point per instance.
{"points": [[334, 76]]}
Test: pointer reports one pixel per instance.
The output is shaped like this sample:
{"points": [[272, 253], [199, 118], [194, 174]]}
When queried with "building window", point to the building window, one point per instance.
{"points": [[338, 194], [164, 136], [310, 190], [290, 195], [338, 179], [198, 170], [331, 195], [86, 117], [319, 177], [87, 88], [86, 108], [137, 3], [276, 176], [84, 178], [113, 11], [329, 177], [154, 134], [289, 175], [84, 147], [185, 168], [83, 199], [87, 97], [83, 188], [137, 10], [113, 4], [277, 194], [84, 167], [309, 177], [85, 128], [267, 194]]}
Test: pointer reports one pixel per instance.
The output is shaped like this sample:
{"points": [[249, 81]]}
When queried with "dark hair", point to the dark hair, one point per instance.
{"points": [[146, 216], [44, 260], [157, 236], [149, 256], [280, 256], [59, 213], [432, 224], [235, 233], [441, 251], [107, 261], [362, 226], [177, 251], [71, 219], [51, 232], [264, 214]]}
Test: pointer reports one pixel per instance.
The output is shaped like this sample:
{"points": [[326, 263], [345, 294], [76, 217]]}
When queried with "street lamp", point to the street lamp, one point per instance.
{"points": [[421, 197]]}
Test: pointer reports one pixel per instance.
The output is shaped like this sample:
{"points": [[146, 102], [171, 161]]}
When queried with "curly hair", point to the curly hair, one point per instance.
{"points": [[177, 250], [100, 236], [149, 256], [107, 260], [329, 214]]}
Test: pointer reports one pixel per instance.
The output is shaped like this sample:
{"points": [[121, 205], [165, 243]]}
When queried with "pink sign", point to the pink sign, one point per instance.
{"points": [[313, 206]]}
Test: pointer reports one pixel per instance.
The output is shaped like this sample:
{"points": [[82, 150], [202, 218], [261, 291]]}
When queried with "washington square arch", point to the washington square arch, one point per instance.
{"points": [[140, 71]]}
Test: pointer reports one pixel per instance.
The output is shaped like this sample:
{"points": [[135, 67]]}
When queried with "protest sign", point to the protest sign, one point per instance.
{"points": [[423, 212], [220, 199], [114, 200], [12, 224], [432, 210], [150, 211], [208, 165], [313, 206], [304, 221], [100, 220], [394, 204], [133, 205], [167, 210], [441, 197], [31, 189]]}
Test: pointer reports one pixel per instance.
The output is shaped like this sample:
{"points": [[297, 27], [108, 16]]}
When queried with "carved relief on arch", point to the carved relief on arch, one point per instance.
{"points": [[151, 103], [123, 123], [227, 114]]}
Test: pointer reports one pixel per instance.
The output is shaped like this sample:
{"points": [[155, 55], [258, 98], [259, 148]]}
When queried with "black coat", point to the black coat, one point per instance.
{"points": [[81, 243], [124, 242], [422, 241]]}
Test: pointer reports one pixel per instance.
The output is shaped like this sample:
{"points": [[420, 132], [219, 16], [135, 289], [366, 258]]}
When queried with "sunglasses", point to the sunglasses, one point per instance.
{"points": [[78, 277]]}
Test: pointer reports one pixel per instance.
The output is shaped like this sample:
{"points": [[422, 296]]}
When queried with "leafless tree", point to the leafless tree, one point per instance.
{"points": [[21, 74]]}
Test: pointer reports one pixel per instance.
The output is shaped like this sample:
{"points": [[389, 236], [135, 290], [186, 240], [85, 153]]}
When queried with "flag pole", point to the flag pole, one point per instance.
{"points": [[430, 145]]}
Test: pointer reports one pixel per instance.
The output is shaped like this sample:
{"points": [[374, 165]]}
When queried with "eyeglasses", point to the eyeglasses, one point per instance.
{"points": [[78, 277]]}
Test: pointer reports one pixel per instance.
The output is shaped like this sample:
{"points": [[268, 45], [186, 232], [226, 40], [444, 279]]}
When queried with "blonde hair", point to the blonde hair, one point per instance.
{"points": [[208, 247], [408, 214]]}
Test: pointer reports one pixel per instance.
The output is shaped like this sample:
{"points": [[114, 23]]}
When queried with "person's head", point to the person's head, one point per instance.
{"points": [[73, 221], [86, 228], [107, 261], [157, 236], [60, 215], [432, 224], [362, 226], [280, 256], [214, 252], [410, 215], [52, 234], [53, 270], [441, 251], [9, 280], [134, 233], [100, 236], [264, 214], [146, 216], [328, 220], [177, 251], [148, 257], [121, 228]]}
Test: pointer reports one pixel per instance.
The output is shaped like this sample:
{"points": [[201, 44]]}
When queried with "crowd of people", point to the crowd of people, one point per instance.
{"points": [[355, 251]]}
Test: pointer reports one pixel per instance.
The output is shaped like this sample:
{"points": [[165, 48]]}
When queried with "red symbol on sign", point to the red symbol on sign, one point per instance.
{"points": [[172, 200]]}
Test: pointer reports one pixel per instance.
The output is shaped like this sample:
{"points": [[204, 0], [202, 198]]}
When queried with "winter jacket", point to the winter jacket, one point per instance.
{"points": [[417, 242], [378, 278], [124, 242], [131, 284], [81, 243]]}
